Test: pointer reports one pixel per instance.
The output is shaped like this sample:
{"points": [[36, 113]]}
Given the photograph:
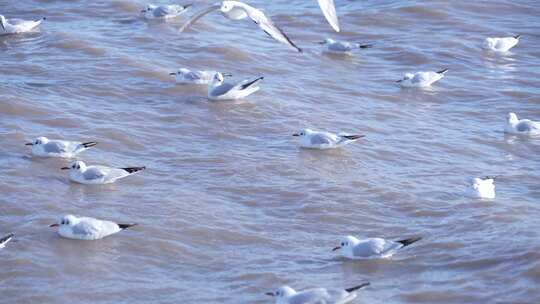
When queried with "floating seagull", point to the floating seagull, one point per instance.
{"points": [[353, 248], [42, 146], [421, 79], [501, 44], [80, 173], [342, 47], [218, 90], [87, 228], [483, 188], [329, 10], [324, 140], [164, 11], [236, 10], [15, 26], [186, 76], [521, 126], [5, 240], [287, 295]]}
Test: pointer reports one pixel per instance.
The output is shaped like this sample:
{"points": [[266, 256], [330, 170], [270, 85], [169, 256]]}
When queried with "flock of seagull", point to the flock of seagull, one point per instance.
{"points": [[86, 228]]}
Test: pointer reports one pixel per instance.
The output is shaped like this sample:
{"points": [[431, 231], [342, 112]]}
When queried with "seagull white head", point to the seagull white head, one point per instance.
{"points": [[407, 76], [327, 41], [78, 165], [42, 140], [218, 79], [303, 133], [512, 118], [347, 243], [66, 221], [183, 71], [282, 294], [148, 8]]}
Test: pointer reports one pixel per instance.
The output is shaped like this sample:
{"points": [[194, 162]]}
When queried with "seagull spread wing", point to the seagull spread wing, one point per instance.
{"points": [[268, 26], [199, 15], [329, 11]]}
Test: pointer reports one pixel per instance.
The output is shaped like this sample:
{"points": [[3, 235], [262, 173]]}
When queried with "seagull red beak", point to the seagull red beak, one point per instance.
{"points": [[270, 294], [296, 134], [64, 168], [336, 248], [54, 225], [28, 144]]}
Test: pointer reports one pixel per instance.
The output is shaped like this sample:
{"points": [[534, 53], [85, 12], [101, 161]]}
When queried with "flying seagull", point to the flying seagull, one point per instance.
{"points": [[236, 10]]}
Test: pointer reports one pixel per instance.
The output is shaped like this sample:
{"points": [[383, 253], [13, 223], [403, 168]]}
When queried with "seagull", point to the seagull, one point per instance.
{"points": [[218, 90], [44, 147], [236, 10], [483, 188], [421, 79], [329, 10], [80, 173], [87, 228], [521, 126], [15, 26], [287, 295], [353, 248], [164, 11], [324, 140], [5, 240], [342, 47], [501, 44], [186, 76]]}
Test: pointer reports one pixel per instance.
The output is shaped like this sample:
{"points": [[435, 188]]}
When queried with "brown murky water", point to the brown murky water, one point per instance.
{"points": [[229, 206]]}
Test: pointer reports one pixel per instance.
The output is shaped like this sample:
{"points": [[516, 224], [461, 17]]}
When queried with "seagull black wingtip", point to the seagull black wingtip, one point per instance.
{"points": [[6, 238], [89, 144], [353, 137], [407, 242], [125, 226], [132, 170], [244, 86], [357, 287], [442, 71]]}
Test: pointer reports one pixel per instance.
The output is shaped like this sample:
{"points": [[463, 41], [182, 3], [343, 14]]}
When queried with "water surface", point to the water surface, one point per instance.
{"points": [[229, 207]]}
